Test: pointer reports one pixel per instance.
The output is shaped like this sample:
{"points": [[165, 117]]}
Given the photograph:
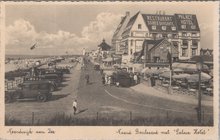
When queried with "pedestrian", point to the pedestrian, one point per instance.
{"points": [[109, 80], [106, 79], [103, 79], [75, 106], [135, 79], [87, 78]]}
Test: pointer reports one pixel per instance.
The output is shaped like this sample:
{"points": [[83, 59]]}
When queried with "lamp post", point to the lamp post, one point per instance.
{"points": [[199, 111], [170, 61]]}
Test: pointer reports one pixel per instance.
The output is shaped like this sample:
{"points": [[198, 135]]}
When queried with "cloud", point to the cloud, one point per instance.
{"points": [[22, 34]]}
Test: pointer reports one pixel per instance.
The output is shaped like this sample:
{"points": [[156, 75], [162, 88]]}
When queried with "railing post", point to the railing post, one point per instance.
{"points": [[32, 120], [97, 117], [130, 117]]}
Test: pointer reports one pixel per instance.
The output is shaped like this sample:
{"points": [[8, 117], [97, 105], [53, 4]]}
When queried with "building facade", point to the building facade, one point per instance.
{"points": [[181, 29]]}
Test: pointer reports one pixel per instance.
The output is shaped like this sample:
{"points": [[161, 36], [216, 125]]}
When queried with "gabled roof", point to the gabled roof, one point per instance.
{"points": [[119, 27], [130, 24], [189, 20], [155, 43], [158, 21], [104, 46]]}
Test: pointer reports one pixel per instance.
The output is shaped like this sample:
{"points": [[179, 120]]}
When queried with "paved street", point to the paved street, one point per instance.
{"points": [[114, 102], [96, 97]]}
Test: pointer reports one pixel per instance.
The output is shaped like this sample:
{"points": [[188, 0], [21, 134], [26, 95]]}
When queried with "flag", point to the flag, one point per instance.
{"points": [[34, 46]]}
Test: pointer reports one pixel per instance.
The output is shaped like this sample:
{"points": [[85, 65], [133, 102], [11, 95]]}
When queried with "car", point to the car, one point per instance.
{"points": [[97, 67], [52, 77], [123, 78], [30, 90], [53, 86]]}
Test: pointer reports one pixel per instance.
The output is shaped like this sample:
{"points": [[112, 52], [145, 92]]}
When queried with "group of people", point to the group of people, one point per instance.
{"points": [[107, 79]]}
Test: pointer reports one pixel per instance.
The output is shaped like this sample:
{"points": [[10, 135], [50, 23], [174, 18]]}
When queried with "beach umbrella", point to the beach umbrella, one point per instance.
{"points": [[165, 74], [195, 77], [181, 76], [178, 70]]}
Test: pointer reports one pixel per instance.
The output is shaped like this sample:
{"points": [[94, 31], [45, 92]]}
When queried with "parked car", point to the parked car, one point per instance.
{"points": [[30, 90], [123, 78], [96, 67], [53, 86], [53, 77]]}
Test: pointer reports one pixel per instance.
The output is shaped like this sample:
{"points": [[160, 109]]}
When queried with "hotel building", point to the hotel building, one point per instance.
{"points": [[180, 29]]}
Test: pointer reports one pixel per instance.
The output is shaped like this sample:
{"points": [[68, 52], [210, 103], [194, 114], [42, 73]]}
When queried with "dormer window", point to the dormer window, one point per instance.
{"points": [[164, 27], [193, 27], [139, 26], [154, 27], [183, 26]]}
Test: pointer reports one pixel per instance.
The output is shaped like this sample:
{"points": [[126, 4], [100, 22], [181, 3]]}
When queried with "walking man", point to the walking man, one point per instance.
{"points": [[75, 106], [87, 78]]}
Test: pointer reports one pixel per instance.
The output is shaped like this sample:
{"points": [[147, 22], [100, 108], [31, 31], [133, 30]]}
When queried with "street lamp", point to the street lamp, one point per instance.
{"points": [[199, 68], [170, 61]]}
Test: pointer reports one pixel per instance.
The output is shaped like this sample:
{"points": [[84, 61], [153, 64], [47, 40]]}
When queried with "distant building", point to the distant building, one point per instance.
{"points": [[104, 48], [181, 29]]}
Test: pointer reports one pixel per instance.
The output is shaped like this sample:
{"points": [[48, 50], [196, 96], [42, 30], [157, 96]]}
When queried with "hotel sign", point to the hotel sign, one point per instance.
{"points": [[160, 20], [186, 19]]}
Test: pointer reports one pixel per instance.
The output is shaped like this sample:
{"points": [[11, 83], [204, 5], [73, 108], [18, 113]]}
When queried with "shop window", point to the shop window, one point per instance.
{"points": [[139, 26]]}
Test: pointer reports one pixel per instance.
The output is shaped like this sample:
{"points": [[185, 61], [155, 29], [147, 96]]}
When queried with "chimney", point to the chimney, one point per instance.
{"points": [[127, 13]]}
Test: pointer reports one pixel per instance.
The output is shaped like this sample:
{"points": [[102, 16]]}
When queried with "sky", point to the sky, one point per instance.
{"points": [[68, 28]]}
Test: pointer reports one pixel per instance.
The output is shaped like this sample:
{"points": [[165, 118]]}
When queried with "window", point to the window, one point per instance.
{"points": [[183, 26], [184, 34], [154, 27], [131, 42], [194, 43], [164, 35], [193, 27], [139, 26], [193, 52], [173, 28], [194, 34], [185, 43], [184, 52], [164, 27]]}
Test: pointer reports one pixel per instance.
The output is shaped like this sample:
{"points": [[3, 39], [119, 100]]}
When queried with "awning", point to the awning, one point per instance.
{"points": [[187, 66]]}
